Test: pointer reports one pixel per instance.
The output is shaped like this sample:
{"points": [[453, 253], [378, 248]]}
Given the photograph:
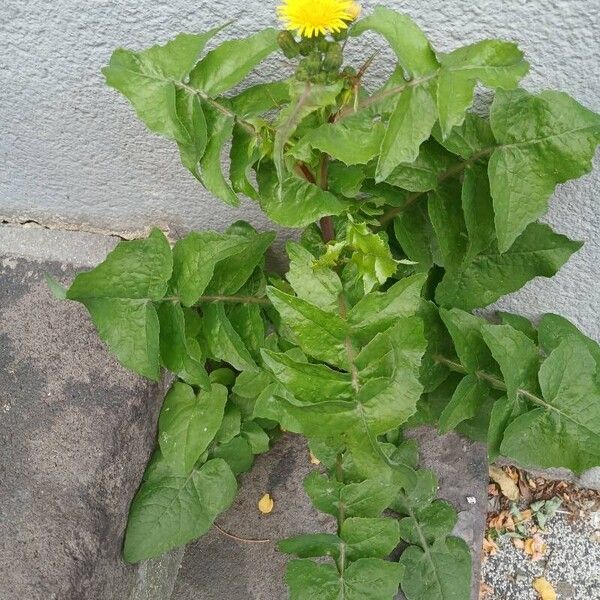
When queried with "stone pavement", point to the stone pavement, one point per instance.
{"points": [[76, 431]]}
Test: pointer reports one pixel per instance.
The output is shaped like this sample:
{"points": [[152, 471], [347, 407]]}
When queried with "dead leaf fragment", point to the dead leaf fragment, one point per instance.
{"points": [[535, 547], [314, 460], [489, 546], [507, 485], [266, 504], [545, 590]]}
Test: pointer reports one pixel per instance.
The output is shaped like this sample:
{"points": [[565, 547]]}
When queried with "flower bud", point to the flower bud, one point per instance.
{"points": [[333, 58], [306, 46], [288, 44], [312, 63]]}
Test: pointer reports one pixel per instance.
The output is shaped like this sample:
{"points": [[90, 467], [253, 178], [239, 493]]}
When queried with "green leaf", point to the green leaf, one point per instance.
{"points": [[418, 496], [170, 510], [339, 139], [370, 537], [306, 98], [220, 129], [231, 424], [319, 333], [564, 431], [538, 252], [311, 545], [465, 330], [378, 311], [222, 340], [295, 202], [409, 126], [229, 63], [191, 115], [503, 412], [414, 232], [260, 98], [440, 573], [119, 292], [218, 263], [58, 291], [406, 39], [237, 453], [188, 423], [318, 285], [256, 436], [544, 140], [148, 79], [446, 215], [473, 138], [478, 211], [496, 64], [467, 398], [365, 579], [423, 174], [371, 254], [521, 323], [517, 356], [176, 350], [553, 329], [435, 522]]}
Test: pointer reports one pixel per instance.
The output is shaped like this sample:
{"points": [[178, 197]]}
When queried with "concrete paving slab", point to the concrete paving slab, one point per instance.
{"points": [[76, 430], [218, 567]]}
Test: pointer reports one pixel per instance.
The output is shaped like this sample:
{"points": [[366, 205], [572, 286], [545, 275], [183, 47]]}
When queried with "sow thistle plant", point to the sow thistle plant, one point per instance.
{"points": [[412, 212]]}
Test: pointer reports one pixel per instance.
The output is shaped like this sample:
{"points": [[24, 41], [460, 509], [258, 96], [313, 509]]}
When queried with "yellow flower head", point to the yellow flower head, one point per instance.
{"points": [[317, 17]]}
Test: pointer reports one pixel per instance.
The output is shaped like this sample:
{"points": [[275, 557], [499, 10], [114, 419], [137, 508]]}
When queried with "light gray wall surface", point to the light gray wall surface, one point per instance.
{"points": [[73, 154]]}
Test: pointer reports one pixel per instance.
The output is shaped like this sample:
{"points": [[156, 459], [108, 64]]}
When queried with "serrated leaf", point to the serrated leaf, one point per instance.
{"points": [[188, 423], [148, 79], [177, 351], [467, 398], [311, 545], [432, 523], [440, 573], [318, 285], [260, 98], [370, 537], [339, 139], [119, 292], [517, 355], [544, 140], [295, 202], [496, 64], [196, 259], [222, 340], [478, 211], [422, 175], [465, 330], [446, 215], [170, 510], [409, 126], [220, 130], [566, 424], [320, 334], [229, 63], [409, 43], [538, 252], [378, 311], [191, 115], [553, 329], [365, 579]]}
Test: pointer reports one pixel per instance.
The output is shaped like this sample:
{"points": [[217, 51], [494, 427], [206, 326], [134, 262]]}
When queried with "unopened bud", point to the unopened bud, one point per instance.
{"points": [[288, 44], [333, 58]]}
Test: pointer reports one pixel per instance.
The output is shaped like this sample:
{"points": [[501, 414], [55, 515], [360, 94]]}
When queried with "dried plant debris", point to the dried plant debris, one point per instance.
{"points": [[542, 544]]}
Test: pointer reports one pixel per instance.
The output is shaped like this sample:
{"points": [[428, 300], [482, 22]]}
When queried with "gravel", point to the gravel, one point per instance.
{"points": [[571, 565]]}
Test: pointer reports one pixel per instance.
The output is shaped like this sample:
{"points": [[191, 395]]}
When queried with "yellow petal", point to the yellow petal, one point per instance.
{"points": [[265, 504], [543, 587]]}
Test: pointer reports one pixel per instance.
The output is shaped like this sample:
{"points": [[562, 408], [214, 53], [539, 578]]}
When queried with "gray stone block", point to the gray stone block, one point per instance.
{"points": [[218, 567], [76, 430]]}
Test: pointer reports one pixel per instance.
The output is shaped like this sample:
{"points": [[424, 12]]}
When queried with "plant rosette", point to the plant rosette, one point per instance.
{"points": [[414, 211]]}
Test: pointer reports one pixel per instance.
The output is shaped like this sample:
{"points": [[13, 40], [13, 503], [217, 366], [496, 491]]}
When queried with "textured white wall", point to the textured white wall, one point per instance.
{"points": [[73, 153]]}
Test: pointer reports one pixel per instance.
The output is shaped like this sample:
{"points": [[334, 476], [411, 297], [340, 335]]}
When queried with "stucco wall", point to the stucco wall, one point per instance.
{"points": [[73, 153]]}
